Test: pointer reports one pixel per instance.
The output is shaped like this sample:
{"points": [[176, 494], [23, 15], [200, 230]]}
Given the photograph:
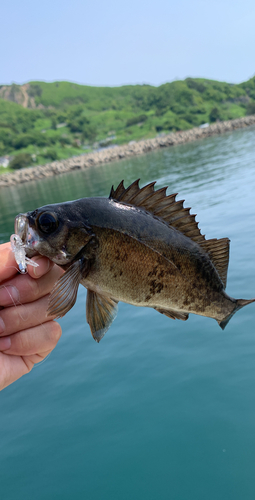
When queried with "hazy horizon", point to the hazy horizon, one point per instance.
{"points": [[124, 84]]}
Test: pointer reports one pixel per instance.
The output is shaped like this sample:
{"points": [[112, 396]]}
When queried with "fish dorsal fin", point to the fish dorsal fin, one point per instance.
{"points": [[218, 251], [160, 205], [119, 191]]}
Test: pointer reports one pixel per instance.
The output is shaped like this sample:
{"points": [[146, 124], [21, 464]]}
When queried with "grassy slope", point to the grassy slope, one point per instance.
{"points": [[127, 113]]}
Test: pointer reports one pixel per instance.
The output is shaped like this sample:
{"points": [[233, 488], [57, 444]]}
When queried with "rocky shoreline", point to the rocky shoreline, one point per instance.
{"points": [[125, 151]]}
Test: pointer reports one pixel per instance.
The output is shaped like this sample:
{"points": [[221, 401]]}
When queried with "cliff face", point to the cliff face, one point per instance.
{"points": [[19, 94]]}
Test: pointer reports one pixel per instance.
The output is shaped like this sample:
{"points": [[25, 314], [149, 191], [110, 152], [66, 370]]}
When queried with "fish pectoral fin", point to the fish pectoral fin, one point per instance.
{"points": [[171, 313], [100, 312], [64, 292]]}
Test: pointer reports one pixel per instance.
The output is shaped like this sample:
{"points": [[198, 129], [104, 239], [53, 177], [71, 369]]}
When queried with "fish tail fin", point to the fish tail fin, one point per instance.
{"points": [[238, 305]]}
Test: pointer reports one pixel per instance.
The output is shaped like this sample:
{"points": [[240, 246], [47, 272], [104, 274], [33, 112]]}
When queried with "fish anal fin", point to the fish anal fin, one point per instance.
{"points": [[101, 310], [160, 205], [218, 251], [64, 292], [172, 314]]}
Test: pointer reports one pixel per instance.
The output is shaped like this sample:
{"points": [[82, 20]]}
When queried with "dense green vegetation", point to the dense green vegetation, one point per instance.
{"points": [[63, 119]]}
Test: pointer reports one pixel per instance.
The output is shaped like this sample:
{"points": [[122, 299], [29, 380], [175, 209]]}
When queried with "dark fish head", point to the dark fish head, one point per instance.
{"points": [[49, 231]]}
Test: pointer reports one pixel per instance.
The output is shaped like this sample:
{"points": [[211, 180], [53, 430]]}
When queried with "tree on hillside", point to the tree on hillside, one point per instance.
{"points": [[22, 160], [89, 132], [214, 115], [250, 108], [34, 90]]}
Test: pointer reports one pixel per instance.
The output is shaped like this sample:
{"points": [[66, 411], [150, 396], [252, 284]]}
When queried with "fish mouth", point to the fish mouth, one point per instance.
{"points": [[27, 234]]}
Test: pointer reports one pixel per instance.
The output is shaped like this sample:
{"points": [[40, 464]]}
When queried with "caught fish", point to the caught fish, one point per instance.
{"points": [[138, 246]]}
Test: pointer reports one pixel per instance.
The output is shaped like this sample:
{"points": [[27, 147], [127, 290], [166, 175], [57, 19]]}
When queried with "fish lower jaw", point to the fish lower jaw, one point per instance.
{"points": [[61, 258]]}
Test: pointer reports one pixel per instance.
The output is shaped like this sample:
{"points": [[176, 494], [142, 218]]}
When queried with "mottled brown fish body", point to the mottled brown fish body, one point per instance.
{"points": [[132, 272], [139, 246]]}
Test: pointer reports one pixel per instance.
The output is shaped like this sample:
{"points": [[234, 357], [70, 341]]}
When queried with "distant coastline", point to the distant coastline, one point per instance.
{"points": [[108, 155]]}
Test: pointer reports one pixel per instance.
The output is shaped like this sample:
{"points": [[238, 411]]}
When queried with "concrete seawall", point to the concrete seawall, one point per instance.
{"points": [[120, 152]]}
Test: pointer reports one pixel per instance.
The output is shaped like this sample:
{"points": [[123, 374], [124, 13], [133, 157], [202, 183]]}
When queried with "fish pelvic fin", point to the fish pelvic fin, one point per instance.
{"points": [[100, 312], [239, 304]]}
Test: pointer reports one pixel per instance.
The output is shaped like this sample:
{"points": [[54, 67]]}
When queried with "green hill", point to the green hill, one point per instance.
{"points": [[46, 121]]}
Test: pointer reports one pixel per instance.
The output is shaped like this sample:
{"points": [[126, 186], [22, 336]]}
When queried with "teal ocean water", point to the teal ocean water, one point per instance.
{"points": [[160, 409]]}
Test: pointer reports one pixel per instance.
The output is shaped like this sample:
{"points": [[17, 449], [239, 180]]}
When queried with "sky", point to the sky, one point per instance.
{"points": [[112, 43]]}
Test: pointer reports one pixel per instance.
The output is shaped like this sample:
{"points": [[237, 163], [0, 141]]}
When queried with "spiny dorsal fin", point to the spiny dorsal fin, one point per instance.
{"points": [[161, 205], [218, 251], [119, 191]]}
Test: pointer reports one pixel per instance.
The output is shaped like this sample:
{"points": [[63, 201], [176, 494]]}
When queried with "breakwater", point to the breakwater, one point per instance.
{"points": [[108, 155]]}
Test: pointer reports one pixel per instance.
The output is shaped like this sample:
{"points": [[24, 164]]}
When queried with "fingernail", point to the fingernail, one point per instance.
{"points": [[5, 343], [43, 266], [2, 325], [8, 295]]}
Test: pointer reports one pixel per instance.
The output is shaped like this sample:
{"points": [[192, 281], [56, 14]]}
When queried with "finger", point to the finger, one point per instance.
{"points": [[20, 317], [34, 341], [14, 366], [8, 265], [33, 359], [44, 265], [23, 289]]}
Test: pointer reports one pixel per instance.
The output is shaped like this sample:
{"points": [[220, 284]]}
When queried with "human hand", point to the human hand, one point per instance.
{"points": [[27, 335]]}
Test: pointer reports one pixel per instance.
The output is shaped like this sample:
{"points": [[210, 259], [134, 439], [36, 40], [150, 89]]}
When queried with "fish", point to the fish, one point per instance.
{"points": [[139, 246]]}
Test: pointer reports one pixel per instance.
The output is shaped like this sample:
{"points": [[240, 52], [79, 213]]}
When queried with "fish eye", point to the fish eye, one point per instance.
{"points": [[47, 222]]}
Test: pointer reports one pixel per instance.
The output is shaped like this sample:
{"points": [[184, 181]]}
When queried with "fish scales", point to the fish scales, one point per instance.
{"points": [[140, 276], [140, 246]]}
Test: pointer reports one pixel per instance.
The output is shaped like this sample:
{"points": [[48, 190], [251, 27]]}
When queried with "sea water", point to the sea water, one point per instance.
{"points": [[160, 409]]}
